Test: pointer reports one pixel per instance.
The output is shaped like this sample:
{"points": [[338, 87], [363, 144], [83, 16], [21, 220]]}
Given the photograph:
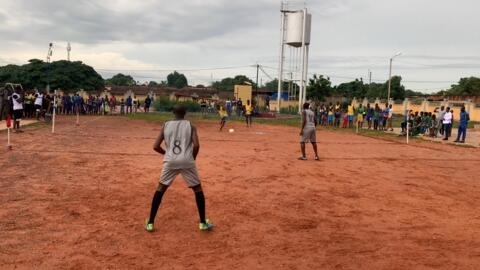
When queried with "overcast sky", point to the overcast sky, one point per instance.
{"points": [[213, 39]]}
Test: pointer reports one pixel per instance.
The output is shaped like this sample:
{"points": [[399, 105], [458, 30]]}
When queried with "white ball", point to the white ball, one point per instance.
{"points": [[231, 130]]}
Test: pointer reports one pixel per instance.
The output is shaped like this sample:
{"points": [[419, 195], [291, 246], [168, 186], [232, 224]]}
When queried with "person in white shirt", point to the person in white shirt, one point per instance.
{"points": [[447, 123], [38, 104], [17, 111], [390, 117]]}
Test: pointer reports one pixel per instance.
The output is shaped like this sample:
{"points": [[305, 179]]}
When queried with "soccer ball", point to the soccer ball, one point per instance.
{"points": [[231, 130]]}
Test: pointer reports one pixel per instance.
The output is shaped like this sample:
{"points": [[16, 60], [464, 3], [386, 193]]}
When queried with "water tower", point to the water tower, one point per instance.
{"points": [[295, 36]]}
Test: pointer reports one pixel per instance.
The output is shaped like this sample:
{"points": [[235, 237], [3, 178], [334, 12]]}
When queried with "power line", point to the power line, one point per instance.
{"points": [[176, 69]]}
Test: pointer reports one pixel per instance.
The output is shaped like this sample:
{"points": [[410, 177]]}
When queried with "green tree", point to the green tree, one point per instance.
{"points": [[227, 84], [352, 89], [466, 86], [273, 85], [177, 80], [380, 90], [152, 84], [62, 74], [121, 80], [319, 88]]}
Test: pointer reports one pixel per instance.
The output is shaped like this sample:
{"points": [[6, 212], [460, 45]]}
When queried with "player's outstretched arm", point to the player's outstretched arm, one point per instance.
{"points": [[196, 142], [158, 142]]}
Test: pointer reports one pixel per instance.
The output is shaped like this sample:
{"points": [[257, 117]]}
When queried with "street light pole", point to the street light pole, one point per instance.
{"points": [[390, 76]]}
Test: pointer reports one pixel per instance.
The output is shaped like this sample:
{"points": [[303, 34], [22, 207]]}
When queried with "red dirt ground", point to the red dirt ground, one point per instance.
{"points": [[77, 200]]}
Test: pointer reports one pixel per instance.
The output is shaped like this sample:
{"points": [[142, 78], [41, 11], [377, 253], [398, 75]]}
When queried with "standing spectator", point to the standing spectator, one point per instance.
{"points": [[390, 118], [239, 107], [29, 109], [128, 103], [338, 114], [369, 115], [228, 106], [135, 103], [380, 119], [462, 125], [385, 117], [447, 123], [350, 114], [38, 104], [122, 106], [330, 115], [148, 101], [440, 115], [77, 104], [113, 103], [17, 110], [203, 107], [248, 113], [360, 114]]}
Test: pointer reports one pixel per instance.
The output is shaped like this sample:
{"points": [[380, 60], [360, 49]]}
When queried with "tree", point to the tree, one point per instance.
{"points": [[380, 90], [121, 80], [152, 84], [227, 84], [466, 86], [352, 89], [411, 93], [177, 80], [319, 88], [62, 74], [273, 85]]}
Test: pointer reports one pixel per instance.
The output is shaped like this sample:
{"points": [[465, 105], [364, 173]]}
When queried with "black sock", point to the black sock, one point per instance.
{"points": [[200, 199], [157, 199]]}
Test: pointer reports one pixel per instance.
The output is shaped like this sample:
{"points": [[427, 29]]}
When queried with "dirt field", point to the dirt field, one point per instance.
{"points": [[77, 200]]}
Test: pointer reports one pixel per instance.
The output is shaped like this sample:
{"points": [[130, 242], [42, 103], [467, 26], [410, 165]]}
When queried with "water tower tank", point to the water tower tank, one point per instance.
{"points": [[294, 29]]}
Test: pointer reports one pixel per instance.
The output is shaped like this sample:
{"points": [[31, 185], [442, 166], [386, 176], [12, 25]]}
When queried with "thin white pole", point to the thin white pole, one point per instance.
{"points": [[54, 109], [280, 65], [306, 73], [389, 80], [8, 139], [408, 129], [302, 83]]}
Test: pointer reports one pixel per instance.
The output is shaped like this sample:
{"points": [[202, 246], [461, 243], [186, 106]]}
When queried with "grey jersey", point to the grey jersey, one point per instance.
{"points": [[179, 145], [309, 119]]}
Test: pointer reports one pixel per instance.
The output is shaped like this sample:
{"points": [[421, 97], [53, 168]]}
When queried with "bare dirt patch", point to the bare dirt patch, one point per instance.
{"points": [[77, 200]]}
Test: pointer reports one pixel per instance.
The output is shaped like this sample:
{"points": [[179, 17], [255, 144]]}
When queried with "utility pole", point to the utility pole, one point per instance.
{"points": [[69, 48], [256, 84], [49, 55], [390, 76]]}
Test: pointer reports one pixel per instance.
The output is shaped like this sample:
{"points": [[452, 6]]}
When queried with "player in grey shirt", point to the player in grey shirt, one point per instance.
{"points": [[308, 131], [181, 150]]}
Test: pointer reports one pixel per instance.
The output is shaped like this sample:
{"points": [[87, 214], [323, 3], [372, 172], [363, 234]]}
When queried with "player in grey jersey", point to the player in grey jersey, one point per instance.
{"points": [[181, 150], [308, 131]]}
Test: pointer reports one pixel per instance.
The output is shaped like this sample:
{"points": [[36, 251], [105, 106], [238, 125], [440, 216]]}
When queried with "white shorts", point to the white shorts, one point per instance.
{"points": [[190, 176]]}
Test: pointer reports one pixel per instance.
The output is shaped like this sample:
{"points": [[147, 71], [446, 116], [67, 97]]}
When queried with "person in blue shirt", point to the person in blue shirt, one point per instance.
{"points": [[128, 103], [462, 125]]}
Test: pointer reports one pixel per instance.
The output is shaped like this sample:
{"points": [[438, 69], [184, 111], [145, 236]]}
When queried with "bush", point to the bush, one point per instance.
{"points": [[166, 105]]}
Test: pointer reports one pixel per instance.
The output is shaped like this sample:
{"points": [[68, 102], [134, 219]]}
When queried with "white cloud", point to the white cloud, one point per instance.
{"points": [[439, 39]]}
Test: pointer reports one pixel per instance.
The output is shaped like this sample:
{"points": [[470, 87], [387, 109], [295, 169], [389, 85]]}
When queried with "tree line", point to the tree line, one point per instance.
{"points": [[76, 75]]}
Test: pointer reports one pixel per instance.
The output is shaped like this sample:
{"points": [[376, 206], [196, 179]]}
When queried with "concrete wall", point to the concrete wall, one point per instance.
{"points": [[428, 106]]}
